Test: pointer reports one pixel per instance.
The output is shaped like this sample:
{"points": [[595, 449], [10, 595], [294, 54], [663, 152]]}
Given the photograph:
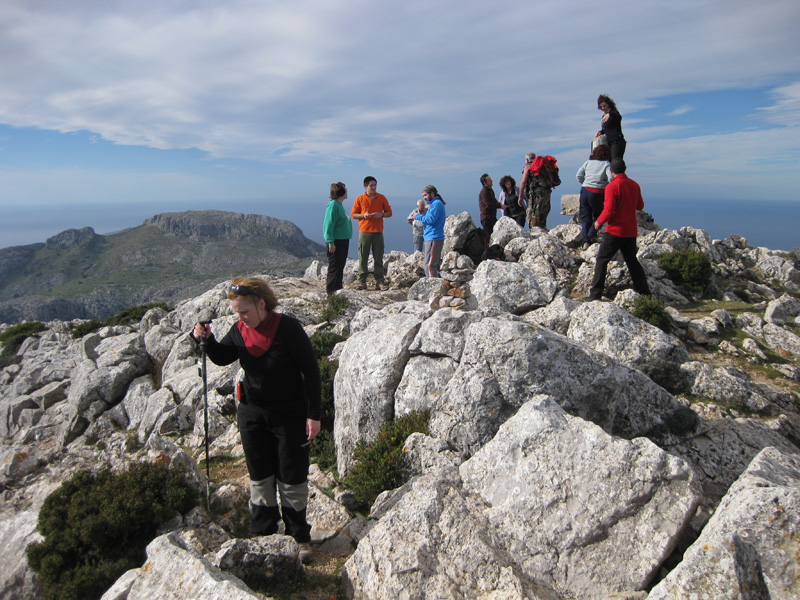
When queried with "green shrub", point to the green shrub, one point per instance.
{"points": [[323, 450], [13, 337], [133, 314], [378, 465], [85, 328], [335, 307], [648, 309], [327, 371], [126, 317], [96, 526], [324, 341], [689, 268]]}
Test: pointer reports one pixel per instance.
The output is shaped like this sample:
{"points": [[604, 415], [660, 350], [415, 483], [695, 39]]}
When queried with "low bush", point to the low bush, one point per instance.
{"points": [[96, 526], [378, 464], [323, 342], [648, 309], [126, 317], [133, 314], [323, 450], [13, 337], [688, 268], [335, 307], [85, 328]]}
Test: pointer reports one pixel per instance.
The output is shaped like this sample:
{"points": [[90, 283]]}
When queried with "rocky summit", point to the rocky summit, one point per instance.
{"points": [[574, 450]]}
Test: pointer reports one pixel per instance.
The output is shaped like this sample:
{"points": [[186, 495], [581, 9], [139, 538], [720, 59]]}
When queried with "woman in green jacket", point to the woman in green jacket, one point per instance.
{"points": [[337, 229]]}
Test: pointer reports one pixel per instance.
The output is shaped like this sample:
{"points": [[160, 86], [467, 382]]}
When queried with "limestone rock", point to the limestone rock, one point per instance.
{"points": [[174, 571], [568, 521], [631, 341], [750, 545], [261, 561], [522, 290], [370, 367]]}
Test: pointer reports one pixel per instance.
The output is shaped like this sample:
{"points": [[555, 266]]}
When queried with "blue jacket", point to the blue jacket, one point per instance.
{"points": [[433, 221]]}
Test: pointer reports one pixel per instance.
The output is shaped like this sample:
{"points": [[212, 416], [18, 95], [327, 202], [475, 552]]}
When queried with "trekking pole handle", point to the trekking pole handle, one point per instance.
{"points": [[204, 340]]}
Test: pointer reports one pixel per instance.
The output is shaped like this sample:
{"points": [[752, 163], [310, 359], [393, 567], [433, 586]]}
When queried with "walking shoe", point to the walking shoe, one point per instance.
{"points": [[382, 286], [362, 285], [306, 553], [585, 246]]}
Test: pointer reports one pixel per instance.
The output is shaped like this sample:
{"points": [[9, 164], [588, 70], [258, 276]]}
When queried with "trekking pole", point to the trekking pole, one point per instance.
{"points": [[204, 371]]}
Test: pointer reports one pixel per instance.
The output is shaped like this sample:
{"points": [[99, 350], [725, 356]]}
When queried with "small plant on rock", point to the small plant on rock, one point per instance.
{"points": [[689, 268], [378, 464], [335, 307], [13, 337], [648, 309]]}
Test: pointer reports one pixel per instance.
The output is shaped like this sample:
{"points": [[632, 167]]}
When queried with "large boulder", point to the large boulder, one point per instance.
{"points": [[511, 287], [615, 332], [506, 361], [750, 546], [523, 517], [581, 510], [371, 365]]}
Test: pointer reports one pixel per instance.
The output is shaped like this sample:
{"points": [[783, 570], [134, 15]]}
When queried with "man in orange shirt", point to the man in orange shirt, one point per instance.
{"points": [[370, 209]]}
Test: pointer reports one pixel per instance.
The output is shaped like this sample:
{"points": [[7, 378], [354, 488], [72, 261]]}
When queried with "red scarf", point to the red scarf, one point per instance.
{"points": [[258, 340]]}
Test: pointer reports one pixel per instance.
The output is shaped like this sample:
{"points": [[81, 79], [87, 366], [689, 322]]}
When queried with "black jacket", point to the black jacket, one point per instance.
{"points": [[285, 379]]}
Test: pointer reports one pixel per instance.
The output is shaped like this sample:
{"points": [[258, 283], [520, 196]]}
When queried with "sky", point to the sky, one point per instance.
{"points": [[113, 110]]}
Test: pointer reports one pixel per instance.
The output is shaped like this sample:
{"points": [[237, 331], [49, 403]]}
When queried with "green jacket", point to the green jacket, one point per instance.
{"points": [[337, 224]]}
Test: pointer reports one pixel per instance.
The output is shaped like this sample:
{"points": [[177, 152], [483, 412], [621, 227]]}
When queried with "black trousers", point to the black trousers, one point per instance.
{"points": [[273, 447], [336, 262], [608, 248]]}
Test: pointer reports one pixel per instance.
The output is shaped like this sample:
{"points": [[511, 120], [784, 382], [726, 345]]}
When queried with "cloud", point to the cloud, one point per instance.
{"points": [[417, 87], [786, 109], [681, 110]]}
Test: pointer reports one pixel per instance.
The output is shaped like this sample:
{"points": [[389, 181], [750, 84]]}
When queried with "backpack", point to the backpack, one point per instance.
{"points": [[546, 169]]}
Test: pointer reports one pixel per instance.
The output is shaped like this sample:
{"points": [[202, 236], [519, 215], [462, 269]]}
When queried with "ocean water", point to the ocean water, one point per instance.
{"points": [[772, 224]]}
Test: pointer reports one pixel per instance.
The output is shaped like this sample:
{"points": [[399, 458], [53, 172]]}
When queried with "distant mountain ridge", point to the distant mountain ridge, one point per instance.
{"points": [[170, 256]]}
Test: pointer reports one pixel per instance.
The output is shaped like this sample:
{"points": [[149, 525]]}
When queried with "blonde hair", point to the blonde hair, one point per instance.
{"points": [[258, 287]]}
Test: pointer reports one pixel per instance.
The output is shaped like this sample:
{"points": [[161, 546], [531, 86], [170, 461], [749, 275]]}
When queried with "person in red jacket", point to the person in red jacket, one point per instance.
{"points": [[623, 198]]}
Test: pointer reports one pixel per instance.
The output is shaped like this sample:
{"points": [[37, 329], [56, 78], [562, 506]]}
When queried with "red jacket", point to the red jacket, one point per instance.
{"points": [[623, 198]]}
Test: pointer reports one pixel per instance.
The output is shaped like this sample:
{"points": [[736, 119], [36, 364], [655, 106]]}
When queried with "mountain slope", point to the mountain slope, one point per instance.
{"points": [[170, 256]]}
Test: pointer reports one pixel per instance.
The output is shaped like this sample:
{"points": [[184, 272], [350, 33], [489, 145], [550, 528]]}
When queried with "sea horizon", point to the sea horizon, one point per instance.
{"points": [[772, 226]]}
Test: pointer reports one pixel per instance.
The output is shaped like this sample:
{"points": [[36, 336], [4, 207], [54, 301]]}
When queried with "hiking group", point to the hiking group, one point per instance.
{"points": [[601, 203]]}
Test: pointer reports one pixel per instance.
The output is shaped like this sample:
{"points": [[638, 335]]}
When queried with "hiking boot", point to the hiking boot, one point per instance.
{"points": [[382, 286], [306, 553], [585, 246], [362, 285]]}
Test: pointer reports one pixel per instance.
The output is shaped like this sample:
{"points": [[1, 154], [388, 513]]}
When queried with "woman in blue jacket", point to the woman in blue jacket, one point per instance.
{"points": [[433, 230]]}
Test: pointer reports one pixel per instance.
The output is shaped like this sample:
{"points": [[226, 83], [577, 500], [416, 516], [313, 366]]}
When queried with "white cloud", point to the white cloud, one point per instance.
{"points": [[681, 110], [414, 87], [786, 109]]}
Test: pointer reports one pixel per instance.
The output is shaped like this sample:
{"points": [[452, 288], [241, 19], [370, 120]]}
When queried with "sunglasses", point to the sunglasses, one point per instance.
{"points": [[243, 290]]}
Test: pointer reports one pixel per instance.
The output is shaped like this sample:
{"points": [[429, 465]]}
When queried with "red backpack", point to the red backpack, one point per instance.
{"points": [[547, 168]]}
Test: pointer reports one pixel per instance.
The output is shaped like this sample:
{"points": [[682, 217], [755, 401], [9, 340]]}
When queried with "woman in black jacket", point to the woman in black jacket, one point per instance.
{"points": [[611, 126], [278, 405]]}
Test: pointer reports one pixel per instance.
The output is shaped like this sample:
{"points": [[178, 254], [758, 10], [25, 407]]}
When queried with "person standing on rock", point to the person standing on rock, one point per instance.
{"points": [[536, 187], [370, 209], [623, 198], [611, 126], [593, 176], [417, 231], [433, 233], [488, 204], [278, 406], [337, 229], [509, 195]]}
